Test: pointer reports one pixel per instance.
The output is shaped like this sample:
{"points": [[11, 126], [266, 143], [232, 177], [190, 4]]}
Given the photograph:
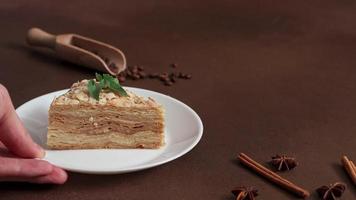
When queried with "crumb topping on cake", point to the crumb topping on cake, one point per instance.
{"points": [[78, 94]]}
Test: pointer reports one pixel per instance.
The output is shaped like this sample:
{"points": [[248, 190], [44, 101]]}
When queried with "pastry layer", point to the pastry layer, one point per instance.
{"points": [[79, 127], [64, 140]]}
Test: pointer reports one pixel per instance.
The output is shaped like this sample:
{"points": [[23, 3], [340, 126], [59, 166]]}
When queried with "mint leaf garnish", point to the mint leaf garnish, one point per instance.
{"points": [[116, 87], [107, 77], [98, 77], [94, 89], [102, 83], [106, 81]]}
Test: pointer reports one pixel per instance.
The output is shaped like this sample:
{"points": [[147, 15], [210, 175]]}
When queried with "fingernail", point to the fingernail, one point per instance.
{"points": [[62, 176], [42, 152]]}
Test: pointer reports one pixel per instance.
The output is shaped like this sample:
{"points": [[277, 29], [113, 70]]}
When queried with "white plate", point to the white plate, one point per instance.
{"points": [[183, 131]]}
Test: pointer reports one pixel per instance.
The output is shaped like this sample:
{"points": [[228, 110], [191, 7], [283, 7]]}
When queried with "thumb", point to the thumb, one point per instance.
{"points": [[12, 133], [23, 168]]}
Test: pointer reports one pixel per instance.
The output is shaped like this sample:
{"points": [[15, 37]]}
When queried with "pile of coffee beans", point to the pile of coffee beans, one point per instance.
{"points": [[137, 72]]}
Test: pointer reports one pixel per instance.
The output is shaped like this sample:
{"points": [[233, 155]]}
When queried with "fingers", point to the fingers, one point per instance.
{"points": [[12, 133], [14, 136], [58, 176], [30, 170], [17, 167]]}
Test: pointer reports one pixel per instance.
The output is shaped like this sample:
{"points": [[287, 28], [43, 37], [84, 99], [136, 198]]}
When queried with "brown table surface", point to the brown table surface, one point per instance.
{"points": [[273, 77]]}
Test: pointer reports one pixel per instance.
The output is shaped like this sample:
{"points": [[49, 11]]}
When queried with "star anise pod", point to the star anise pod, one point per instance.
{"points": [[332, 191], [244, 193], [283, 163]]}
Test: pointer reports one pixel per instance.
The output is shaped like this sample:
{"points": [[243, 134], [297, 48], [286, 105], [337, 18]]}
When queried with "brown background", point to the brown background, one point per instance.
{"points": [[268, 77]]}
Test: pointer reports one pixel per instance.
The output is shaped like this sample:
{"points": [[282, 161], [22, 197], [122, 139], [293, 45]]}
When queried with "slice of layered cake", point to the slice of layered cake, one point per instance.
{"points": [[100, 114]]}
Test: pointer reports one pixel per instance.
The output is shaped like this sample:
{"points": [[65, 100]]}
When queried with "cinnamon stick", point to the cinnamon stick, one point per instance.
{"points": [[349, 167], [261, 166], [241, 196], [273, 177], [353, 165]]}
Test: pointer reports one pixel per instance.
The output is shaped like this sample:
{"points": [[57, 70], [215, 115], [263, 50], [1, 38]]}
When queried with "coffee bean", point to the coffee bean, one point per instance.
{"points": [[142, 74], [135, 76], [129, 73], [121, 79], [181, 75], [140, 68], [188, 76], [174, 65], [163, 75], [168, 83], [134, 70], [164, 78]]}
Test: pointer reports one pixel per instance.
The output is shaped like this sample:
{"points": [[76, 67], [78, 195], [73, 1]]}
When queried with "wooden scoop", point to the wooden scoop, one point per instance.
{"points": [[80, 50]]}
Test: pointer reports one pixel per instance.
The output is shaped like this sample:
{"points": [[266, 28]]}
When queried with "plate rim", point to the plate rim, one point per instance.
{"points": [[142, 166]]}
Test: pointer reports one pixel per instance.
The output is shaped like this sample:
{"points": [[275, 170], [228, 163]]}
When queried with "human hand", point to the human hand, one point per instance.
{"points": [[18, 152]]}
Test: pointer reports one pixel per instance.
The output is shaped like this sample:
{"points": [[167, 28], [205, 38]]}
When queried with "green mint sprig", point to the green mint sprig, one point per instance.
{"points": [[104, 81]]}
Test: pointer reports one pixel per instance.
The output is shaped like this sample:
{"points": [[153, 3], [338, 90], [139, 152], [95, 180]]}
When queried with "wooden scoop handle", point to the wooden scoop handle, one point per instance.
{"points": [[40, 38]]}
